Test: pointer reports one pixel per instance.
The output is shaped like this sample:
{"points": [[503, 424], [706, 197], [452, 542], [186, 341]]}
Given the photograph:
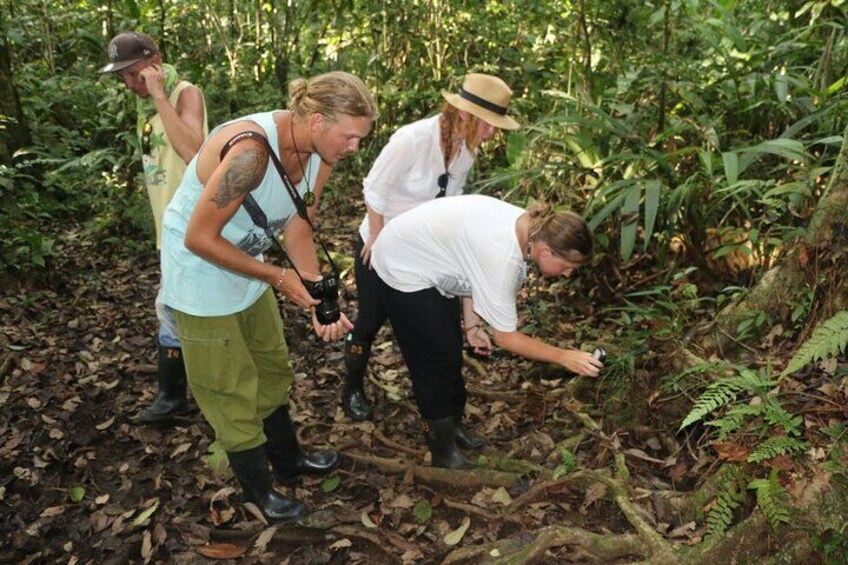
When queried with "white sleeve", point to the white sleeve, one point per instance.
{"points": [[388, 170]]}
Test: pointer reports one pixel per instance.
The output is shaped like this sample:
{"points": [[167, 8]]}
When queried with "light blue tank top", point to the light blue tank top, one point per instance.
{"points": [[199, 287]]}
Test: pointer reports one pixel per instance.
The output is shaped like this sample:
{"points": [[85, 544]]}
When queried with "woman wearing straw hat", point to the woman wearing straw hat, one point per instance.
{"points": [[422, 161]]}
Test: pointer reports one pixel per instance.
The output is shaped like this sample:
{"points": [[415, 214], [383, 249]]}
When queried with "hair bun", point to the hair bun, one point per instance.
{"points": [[297, 89]]}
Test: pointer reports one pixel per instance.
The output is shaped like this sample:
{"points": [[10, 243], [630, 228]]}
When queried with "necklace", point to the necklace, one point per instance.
{"points": [[308, 197]]}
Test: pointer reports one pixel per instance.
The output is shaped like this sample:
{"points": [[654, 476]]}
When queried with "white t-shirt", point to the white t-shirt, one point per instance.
{"points": [[461, 246], [406, 172]]}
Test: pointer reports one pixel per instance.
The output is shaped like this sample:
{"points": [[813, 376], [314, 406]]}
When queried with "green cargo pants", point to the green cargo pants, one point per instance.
{"points": [[238, 369]]}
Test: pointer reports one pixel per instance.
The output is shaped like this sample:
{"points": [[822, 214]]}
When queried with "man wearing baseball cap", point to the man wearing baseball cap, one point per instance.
{"points": [[171, 126]]}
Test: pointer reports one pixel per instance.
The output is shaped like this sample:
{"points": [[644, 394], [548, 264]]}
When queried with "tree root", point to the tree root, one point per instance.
{"points": [[418, 453], [5, 357], [599, 547], [474, 478]]}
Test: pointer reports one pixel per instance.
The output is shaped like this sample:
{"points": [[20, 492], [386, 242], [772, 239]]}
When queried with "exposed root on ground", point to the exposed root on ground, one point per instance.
{"points": [[474, 478]]}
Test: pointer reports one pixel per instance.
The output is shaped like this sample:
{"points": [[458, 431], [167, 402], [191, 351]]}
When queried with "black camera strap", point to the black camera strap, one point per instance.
{"points": [[255, 211]]}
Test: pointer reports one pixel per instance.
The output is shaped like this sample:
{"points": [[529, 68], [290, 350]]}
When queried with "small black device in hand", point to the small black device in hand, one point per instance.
{"points": [[327, 291], [600, 354]]}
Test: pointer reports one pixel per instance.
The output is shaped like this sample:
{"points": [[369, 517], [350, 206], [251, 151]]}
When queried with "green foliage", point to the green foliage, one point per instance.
{"points": [[76, 494], [828, 339], [732, 421], [422, 511], [833, 544], [567, 465], [724, 391], [774, 446], [331, 483], [771, 499], [730, 497]]}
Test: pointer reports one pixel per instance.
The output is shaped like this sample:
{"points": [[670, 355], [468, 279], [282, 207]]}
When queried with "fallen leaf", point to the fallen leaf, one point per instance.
{"points": [[142, 518], [401, 501], [52, 511], [146, 546], [263, 539], [730, 451], [783, 462], [182, 448], [422, 511], [342, 543], [454, 537], [76, 494], [678, 471], [220, 551], [105, 424], [366, 520], [829, 365], [501, 496], [331, 483], [593, 493]]}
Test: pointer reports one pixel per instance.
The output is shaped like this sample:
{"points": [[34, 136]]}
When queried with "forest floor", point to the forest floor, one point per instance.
{"points": [[80, 482]]}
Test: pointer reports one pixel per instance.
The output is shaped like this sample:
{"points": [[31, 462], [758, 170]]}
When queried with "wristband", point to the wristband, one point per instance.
{"points": [[278, 283]]}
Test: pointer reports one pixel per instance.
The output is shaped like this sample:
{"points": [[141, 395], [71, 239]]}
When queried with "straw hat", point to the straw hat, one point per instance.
{"points": [[486, 97]]}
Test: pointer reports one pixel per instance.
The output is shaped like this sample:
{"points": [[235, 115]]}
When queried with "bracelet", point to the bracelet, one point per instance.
{"points": [[279, 280], [474, 327]]}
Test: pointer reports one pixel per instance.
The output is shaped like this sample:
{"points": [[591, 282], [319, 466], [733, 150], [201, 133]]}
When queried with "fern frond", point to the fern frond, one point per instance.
{"points": [[723, 392], [774, 446], [721, 513], [569, 464], [776, 416], [828, 339], [771, 499], [733, 420]]}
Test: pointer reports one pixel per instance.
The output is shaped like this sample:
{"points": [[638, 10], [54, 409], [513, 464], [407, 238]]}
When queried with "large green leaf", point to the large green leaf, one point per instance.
{"points": [[652, 204], [629, 221], [731, 166]]}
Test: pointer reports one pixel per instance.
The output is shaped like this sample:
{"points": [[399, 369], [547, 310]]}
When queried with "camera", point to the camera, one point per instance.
{"points": [[327, 291]]}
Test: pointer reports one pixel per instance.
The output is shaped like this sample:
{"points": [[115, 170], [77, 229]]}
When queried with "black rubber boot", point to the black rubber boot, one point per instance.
{"points": [[287, 459], [441, 438], [171, 395], [250, 467], [464, 438], [355, 404]]}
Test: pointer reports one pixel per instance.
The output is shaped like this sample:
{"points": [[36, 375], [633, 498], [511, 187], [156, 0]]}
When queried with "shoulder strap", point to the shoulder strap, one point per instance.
{"points": [[252, 207]]}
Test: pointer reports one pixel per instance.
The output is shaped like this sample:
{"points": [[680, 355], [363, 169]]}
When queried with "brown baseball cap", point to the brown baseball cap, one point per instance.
{"points": [[127, 49]]}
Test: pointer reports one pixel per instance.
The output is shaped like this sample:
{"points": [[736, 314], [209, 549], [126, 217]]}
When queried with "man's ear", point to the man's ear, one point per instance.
{"points": [[156, 59]]}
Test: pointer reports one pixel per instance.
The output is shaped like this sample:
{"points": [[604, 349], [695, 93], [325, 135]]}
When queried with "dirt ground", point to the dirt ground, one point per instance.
{"points": [[80, 482]]}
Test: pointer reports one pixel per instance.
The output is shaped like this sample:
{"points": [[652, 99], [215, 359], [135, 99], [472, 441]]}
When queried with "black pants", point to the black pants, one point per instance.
{"points": [[371, 313], [428, 329]]}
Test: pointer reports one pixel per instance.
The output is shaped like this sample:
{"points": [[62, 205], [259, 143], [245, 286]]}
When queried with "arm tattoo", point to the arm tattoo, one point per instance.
{"points": [[244, 173]]}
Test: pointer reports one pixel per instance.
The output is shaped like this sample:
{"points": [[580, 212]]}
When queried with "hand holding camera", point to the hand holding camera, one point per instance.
{"points": [[327, 320], [327, 291]]}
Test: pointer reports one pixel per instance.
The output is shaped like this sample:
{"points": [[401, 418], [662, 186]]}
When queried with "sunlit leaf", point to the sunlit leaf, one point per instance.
{"points": [[422, 511], [331, 483], [454, 537], [76, 493]]}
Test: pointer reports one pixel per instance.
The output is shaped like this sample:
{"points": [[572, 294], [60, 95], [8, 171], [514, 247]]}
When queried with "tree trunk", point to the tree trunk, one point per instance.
{"points": [[818, 261], [14, 132]]}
